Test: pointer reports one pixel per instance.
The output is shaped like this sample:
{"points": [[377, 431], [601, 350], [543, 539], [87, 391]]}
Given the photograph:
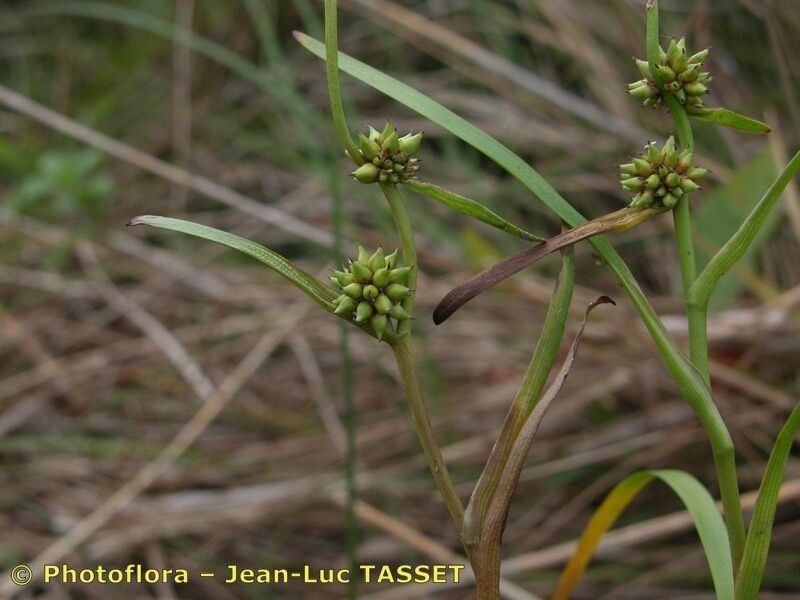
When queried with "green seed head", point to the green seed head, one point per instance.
{"points": [[373, 288], [680, 73], [663, 174], [387, 157]]}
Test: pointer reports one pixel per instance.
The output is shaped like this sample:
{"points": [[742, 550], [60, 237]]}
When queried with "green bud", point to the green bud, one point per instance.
{"points": [[696, 173], [682, 44], [377, 260], [370, 292], [672, 51], [391, 142], [354, 290], [643, 167], [387, 130], [680, 62], [685, 160], [342, 278], [382, 304], [668, 147], [677, 192], [633, 184], [411, 143], [661, 191], [681, 95], [363, 256], [399, 313], [666, 73], [653, 152], [689, 74], [374, 135], [380, 277], [687, 185], [366, 173], [672, 179], [671, 159], [379, 323], [391, 260], [369, 148], [397, 292], [704, 77], [696, 59], [653, 181], [695, 88], [644, 68], [394, 178], [346, 307], [361, 273], [644, 199], [399, 275], [643, 91], [628, 169], [383, 177], [669, 200], [364, 311]]}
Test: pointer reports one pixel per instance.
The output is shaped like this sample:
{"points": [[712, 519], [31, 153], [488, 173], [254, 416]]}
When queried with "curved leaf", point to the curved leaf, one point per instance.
{"points": [[313, 287], [728, 118], [707, 521], [620, 220], [469, 207], [757, 544]]}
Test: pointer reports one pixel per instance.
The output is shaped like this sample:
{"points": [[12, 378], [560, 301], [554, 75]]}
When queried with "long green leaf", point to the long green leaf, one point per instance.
{"points": [[313, 287], [728, 118], [759, 534], [707, 521], [469, 207]]}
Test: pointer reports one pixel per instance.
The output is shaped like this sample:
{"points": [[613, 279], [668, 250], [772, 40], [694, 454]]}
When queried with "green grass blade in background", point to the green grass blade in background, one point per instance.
{"points": [[738, 244], [722, 209], [313, 287], [469, 207], [707, 521], [756, 547]]}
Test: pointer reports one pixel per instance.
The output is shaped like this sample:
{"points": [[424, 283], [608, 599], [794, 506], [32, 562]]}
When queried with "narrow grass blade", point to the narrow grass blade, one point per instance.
{"points": [[313, 288], [759, 534], [469, 207], [620, 220], [728, 118], [707, 521]]}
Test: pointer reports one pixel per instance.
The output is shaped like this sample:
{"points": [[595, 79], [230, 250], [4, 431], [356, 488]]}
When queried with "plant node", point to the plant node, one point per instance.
{"points": [[681, 74], [660, 176], [373, 289], [387, 157]]}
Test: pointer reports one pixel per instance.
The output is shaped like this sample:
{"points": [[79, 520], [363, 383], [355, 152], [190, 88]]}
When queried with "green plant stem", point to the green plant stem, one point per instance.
{"points": [[394, 199], [401, 345], [719, 436], [334, 86], [419, 414]]}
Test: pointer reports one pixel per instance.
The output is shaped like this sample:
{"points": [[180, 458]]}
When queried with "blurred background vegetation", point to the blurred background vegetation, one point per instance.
{"points": [[112, 340]]}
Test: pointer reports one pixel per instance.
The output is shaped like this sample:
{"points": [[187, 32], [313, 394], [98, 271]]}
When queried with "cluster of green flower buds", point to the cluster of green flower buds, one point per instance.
{"points": [[373, 289], [661, 175], [682, 75], [388, 158]]}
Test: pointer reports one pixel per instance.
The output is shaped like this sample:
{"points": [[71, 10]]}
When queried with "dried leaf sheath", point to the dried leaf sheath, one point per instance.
{"points": [[616, 221]]}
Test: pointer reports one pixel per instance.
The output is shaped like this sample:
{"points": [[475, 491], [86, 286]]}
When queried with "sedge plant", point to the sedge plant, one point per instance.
{"points": [[374, 292]]}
